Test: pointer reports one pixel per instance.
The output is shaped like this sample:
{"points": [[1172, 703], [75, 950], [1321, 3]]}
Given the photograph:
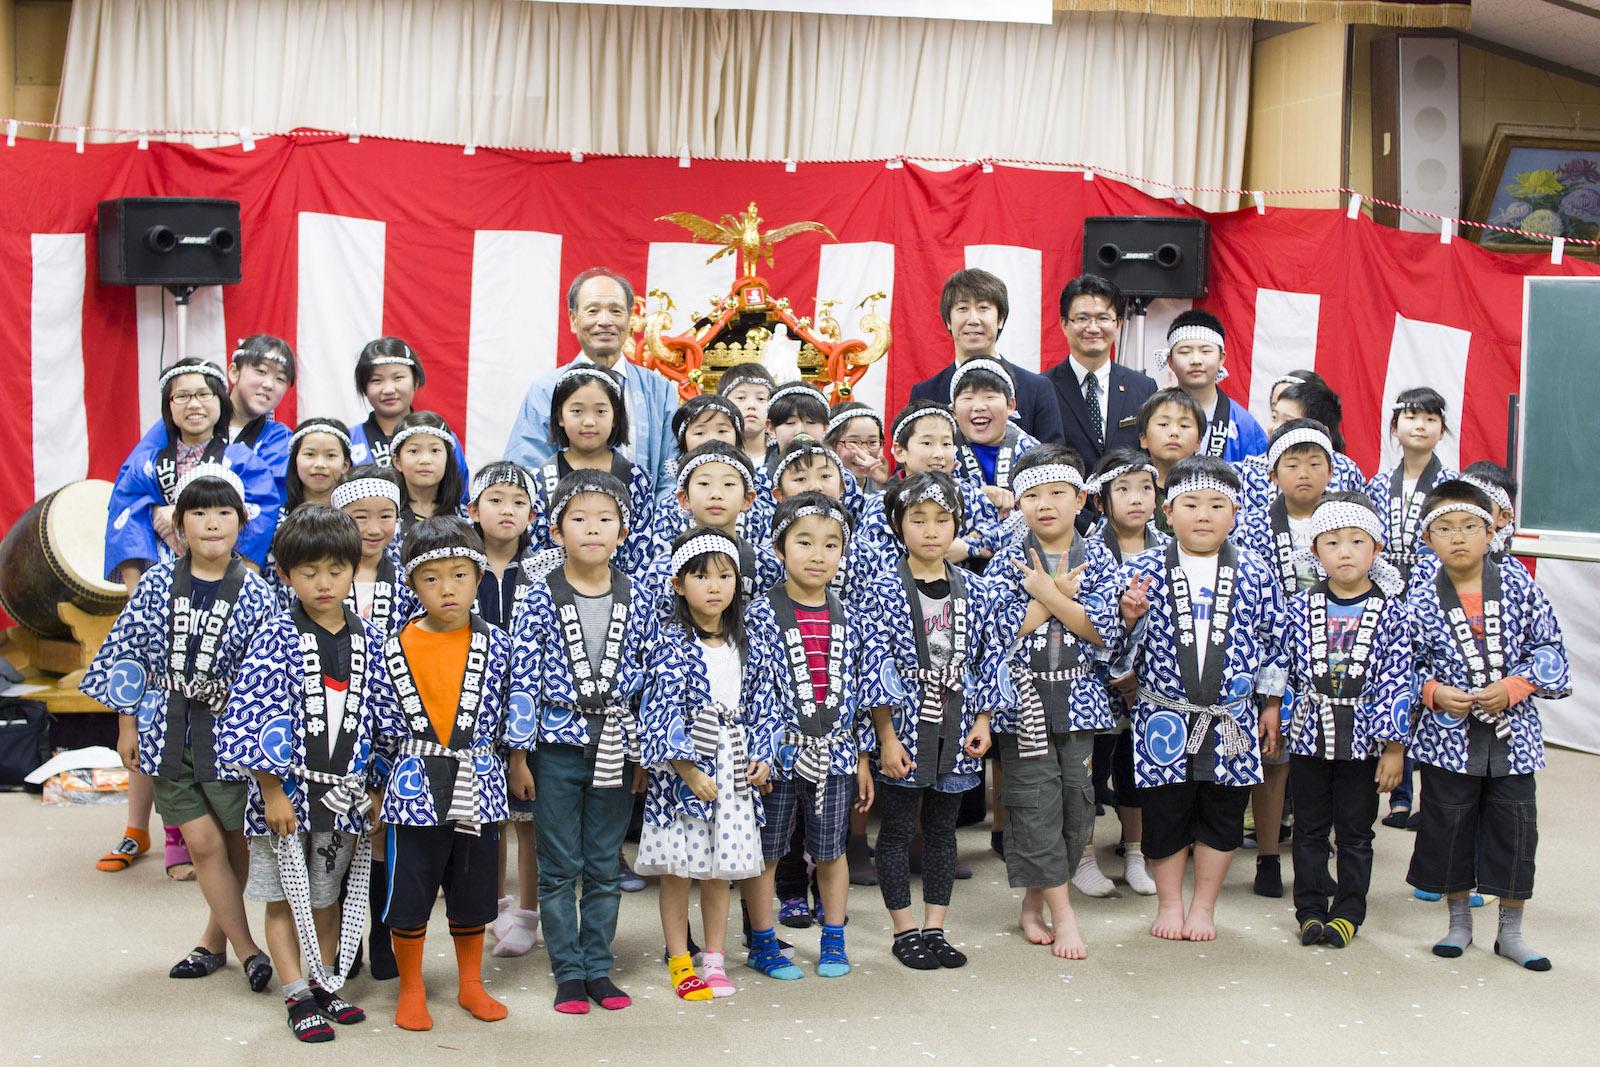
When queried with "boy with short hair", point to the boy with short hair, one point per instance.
{"points": [[299, 720], [1487, 642], [1195, 355], [1206, 645], [984, 400], [749, 387], [446, 783]]}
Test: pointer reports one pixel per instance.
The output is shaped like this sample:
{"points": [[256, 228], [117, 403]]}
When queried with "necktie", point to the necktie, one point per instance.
{"points": [[1091, 398]]}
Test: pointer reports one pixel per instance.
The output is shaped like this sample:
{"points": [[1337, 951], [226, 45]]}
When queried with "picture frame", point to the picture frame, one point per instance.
{"points": [[1540, 178]]}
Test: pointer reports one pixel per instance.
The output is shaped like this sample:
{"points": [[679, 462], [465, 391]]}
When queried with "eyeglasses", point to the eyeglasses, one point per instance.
{"points": [[183, 400], [868, 443], [1464, 530], [1105, 318]]}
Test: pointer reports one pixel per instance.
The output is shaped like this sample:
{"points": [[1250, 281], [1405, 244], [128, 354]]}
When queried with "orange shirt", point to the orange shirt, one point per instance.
{"points": [[1518, 688], [438, 662]]}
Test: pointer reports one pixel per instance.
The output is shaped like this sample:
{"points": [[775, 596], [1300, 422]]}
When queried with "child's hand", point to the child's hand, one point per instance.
{"points": [[1135, 602], [1000, 498], [1391, 765], [1036, 580], [161, 519], [1268, 727], [699, 784], [1492, 698], [864, 787], [959, 551], [279, 811], [519, 780], [757, 773], [978, 740], [894, 759], [128, 742], [641, 780], [1449, 699]]}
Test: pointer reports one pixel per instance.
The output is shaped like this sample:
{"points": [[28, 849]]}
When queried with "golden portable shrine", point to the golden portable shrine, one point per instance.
{"points": [[741, 322]]}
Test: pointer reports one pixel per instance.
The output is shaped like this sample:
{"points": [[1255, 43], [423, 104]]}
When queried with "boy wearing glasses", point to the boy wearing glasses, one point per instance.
{"points": [[1099, 398]]}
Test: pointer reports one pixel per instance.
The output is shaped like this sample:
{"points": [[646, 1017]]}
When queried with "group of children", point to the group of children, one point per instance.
{"points": [[344, 668]]}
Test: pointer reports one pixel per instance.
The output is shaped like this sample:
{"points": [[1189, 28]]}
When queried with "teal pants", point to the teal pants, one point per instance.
{"points": [[580, 831]]}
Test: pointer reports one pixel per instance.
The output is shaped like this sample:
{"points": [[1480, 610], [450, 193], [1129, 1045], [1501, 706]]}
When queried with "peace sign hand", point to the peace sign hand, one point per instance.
{"points": [[1069, 582], [1134, 600], [1035, 579]]}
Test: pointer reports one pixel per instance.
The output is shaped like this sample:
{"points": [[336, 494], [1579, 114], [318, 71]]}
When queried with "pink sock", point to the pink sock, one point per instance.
{"points": [[715, 975], [177, 851]]}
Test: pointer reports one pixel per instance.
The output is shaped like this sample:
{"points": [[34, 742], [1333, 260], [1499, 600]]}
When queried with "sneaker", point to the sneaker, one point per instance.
{"points": [[627, 879]]}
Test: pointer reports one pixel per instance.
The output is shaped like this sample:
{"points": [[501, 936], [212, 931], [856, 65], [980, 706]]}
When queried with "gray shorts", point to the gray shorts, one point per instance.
{"points": [[1049, 809], [327, 853]]}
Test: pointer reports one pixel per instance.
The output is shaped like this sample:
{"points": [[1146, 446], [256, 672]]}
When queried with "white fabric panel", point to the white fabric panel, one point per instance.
{"points": [[1285, 340], [1022, 269], [848, 273], [208, 338], [60, 425], [514, 331], [737, 84], [680, 269], [1158, 319], [1426, 353], [1574, 589], [992, 11], [340, 309]]}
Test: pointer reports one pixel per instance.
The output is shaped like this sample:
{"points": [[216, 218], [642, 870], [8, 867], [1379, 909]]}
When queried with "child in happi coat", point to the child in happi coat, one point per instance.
{"points": [[371, 495], [697, 421], [794, 408], [424, 453], [388, 375], [165, 668], [706, 753], [445, 788], [1301, 395], [319, 456], [855, 432], [1300, 464], [938, 643], [1060, 593], [589, 427], [1195, 354], [1487, 642], [1417, 422], [574, 676], [1124, 488], [807, 466], [1349, 659], [299, 721], [749, 386], [1208, 645], [1171, 426], [983, 399], [806, 661]]}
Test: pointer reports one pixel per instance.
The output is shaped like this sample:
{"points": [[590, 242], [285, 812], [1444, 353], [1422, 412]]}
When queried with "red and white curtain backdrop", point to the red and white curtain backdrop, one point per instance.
{"points": [[466, 257]]}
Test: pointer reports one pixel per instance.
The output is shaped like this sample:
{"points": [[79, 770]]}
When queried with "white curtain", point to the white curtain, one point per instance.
{"points": [[1166, 98]]}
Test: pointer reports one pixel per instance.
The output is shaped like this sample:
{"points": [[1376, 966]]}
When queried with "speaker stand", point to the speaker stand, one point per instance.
{"points": [[1132, 354], [180, 301]]}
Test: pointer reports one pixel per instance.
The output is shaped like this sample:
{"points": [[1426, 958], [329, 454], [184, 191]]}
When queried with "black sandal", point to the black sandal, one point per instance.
{"points": [[336, 1007], [943, 951], [910, 950], [307, 1023], [199, 963], [258, 972]]}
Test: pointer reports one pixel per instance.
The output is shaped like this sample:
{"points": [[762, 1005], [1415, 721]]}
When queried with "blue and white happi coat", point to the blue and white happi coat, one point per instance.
{"points": [[1253, 664], [635, 549], [754, 523], [1258, 491], [759, 570], [418, 786], [126, 673], [1100, 594], [266, 726], [545, 707], [676, 689], [1532, 648], [984, 531], [1013, 446], [369, 444], [1382, 705], [1402, 541]]}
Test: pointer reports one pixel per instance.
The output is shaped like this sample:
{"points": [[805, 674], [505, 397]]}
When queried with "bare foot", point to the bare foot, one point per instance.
{"points": [[1033, 924], [1169, 922], [181, 872], [1069, 943], [1200, 926]]}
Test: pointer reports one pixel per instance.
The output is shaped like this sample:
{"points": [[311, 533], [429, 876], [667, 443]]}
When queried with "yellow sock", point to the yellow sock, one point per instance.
{"points": [[685, 982]]}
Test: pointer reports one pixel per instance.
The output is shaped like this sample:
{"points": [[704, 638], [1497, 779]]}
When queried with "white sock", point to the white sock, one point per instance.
{"points": [[1136, 874], [1090, 880]]}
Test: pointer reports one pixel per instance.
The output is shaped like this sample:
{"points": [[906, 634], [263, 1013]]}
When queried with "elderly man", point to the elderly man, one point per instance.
{"points": [[599, 302]]}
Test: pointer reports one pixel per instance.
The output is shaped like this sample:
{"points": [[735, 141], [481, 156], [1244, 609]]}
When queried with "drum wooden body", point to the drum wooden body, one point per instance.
{"points": [[56, 553]]}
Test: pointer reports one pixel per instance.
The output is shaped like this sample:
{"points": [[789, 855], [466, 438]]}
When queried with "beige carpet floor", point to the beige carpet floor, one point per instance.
{"points": [[84, 956]]}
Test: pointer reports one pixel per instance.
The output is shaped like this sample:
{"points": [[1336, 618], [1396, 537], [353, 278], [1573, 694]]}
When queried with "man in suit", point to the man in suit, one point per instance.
{"points": [[974, 307], [599, 302], [1099, 399]]}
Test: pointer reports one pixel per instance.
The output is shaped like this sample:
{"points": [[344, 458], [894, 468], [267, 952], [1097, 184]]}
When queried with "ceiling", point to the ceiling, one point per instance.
{"points": [[1563, 32]]}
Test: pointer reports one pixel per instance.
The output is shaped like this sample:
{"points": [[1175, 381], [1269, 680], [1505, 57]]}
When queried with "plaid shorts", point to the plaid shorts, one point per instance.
{"points": [[797, 798]]}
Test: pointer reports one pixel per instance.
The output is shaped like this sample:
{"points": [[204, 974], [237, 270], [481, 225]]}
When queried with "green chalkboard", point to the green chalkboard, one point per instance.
{"points": [[1560, 409]]}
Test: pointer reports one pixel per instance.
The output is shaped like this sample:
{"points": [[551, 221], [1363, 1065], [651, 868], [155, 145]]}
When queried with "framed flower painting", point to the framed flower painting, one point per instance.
{"points": [[1543, 179]]}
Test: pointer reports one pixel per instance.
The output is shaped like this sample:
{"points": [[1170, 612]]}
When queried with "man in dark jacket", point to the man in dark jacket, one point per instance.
{"points": [[1099, 399]]}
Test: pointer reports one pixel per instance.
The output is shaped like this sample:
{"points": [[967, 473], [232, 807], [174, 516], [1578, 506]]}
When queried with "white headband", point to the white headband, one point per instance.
{"points": [[1302, 435], [411, 431], [908, 417], [832, 512], [408, 359], [1343, 515], [1193, 331], [806, 452], [1292, 379], [331, 431], [559, 507], [702, 545], [1501, 498], [1457, 505], [1199, 483], [210, 370], [843, 417], [994, 367], [272, 354], [1044, 474], [713, 457], [1100, 482], [590, 370], [935, 492], [453, 552], [209, 470], [797, 387], [364, 489], [500, 474]]}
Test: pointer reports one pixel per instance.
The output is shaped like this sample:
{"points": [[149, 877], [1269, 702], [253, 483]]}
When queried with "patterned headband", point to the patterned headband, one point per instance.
{"points": [[839, 419], [831, 512], [411, 431], [732, 379], [1193, 331], [1456, 505], [908, 417], [1302, 435], [935, 492], [453, 552], [704, 545], [210, 370], [1200, 483], [559, 506], [319, 427], [1385, 575], [1292, 379], [500, 474], [1342, 515], [994, 367], [406, 359], [1501, 498], [209, 470], [271, 354], [1099, 483], [365, 489], [712, 457], [1044, 474], [590, 370], [806, 452], [797, 387]]}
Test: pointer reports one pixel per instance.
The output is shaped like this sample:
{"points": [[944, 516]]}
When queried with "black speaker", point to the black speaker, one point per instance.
{"points": [[1147, 256], [169, 240]]}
